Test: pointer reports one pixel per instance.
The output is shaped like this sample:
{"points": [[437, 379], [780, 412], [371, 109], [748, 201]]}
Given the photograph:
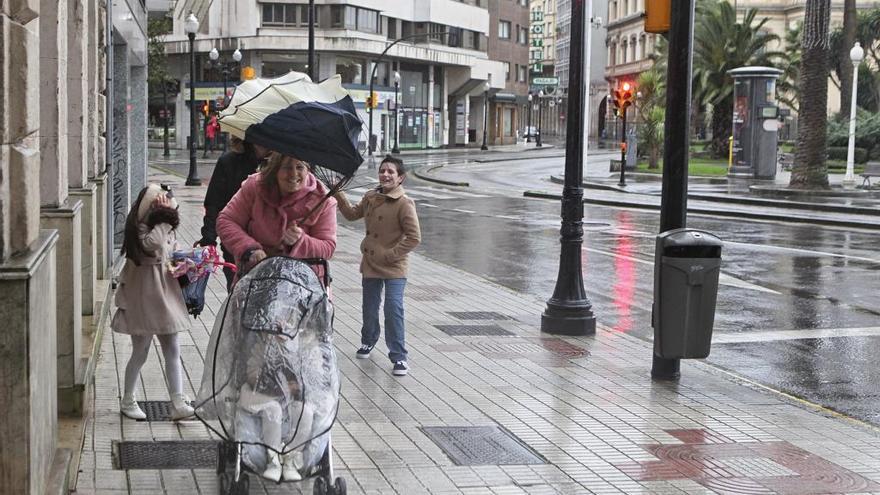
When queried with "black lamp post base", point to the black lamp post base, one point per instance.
{"points": [[193, 182], [575, 321], [395, 150], [484, 148]]}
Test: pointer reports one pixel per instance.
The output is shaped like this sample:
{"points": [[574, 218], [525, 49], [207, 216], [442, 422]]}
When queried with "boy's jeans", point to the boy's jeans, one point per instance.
{"points": [[394, 326]]}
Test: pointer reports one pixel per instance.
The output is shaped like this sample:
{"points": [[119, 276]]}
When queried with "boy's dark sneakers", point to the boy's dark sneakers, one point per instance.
{"points": [[364, 352], [400, 368]]}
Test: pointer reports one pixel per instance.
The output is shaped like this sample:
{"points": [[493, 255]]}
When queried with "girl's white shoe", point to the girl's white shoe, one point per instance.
{"points": [[273, 467], [291, 466], [130, 408], [181, 407]]}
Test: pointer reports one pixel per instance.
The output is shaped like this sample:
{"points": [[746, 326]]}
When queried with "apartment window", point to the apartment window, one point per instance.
{"points": [[348, 17], [392, 29], [504, 30], [524, 3], [521, 74], [351, 69], [522, 35], [285, 15], [507, 70]]}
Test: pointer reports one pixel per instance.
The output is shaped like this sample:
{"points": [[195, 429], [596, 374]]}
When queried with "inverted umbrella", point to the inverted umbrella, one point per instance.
{"points": [[314, 122]]}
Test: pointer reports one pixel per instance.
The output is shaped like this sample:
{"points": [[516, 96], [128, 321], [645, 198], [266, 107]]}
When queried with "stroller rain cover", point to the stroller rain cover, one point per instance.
{"points": [[271, 379]]}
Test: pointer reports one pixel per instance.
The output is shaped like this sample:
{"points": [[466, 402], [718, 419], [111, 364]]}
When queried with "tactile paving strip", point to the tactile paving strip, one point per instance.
{"points": [[481, 445], [473, 330], [198, 454]]}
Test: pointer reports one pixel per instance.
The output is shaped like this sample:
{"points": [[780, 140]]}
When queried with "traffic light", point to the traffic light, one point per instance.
{"points": [[206, 109], [623, 96], [372, 100], [657, 16]]}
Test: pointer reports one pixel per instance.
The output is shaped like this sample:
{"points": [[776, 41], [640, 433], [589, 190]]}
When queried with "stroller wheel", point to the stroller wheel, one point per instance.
{"points": [[322, 486], [225, 484], [243, 486], [339, 487]]}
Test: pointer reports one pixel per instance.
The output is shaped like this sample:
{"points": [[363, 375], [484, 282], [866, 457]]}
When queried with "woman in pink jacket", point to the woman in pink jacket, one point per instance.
{"points": [[267, 216]]}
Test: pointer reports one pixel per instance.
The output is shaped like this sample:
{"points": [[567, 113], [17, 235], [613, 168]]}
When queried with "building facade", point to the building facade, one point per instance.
{"points": [[74, 147], [442, 60], [509, 44], [598, 91]]}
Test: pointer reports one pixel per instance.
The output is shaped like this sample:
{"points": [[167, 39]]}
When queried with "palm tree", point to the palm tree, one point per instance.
{"points": [[721, 44], [652, 87], [810, 170], [788, 89]]}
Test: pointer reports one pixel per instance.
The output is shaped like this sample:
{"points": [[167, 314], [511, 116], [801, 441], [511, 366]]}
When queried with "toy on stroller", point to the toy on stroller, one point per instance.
{"points": [[270, 389]]}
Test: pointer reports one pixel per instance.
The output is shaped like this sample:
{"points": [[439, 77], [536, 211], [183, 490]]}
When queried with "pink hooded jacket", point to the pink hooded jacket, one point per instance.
{"points": [[257, 216]]}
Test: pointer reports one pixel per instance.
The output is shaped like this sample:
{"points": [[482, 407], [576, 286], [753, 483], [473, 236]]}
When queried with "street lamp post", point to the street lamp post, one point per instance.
{"points": [[539, 140], [396, 148], [311, 55], [568, 311], [855, 55], [529, 121], [485, 146], [214, 55], [191, 26]]}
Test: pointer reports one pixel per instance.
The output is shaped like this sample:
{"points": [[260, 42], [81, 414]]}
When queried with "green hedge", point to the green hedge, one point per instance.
{"points": [[840, 152]]}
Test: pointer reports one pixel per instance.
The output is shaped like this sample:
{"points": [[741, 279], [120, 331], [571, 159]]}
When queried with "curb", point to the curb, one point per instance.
{"points": [[717, 213], [776, 203], [438, 181]]}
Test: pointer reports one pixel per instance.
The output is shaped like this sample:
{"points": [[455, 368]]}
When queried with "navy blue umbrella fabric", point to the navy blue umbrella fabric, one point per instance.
{"points": [[323, 134], [315, 122]]}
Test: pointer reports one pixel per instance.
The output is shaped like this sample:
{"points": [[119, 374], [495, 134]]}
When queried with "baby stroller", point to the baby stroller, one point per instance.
{"points": [[270, 389]]}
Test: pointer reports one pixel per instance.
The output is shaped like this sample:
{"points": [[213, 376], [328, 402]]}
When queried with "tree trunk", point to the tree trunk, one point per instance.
{"points": [[810, 170], [850, 21]]}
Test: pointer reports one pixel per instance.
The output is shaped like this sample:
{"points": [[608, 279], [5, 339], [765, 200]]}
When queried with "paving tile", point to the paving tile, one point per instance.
{"points": [[585, 404]]}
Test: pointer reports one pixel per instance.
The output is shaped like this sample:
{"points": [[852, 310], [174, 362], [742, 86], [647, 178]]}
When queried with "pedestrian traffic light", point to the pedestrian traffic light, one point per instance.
{"points": [[206, 109], [657, 16]]}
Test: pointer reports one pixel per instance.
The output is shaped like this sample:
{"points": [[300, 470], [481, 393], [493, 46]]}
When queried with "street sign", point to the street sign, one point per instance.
{"points": [[545, 81]]}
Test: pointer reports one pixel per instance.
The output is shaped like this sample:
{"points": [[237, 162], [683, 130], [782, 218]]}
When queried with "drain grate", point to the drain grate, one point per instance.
{"points": [[473, 330], [481, 445], [478, 315], [198, 454], [156, 410]]}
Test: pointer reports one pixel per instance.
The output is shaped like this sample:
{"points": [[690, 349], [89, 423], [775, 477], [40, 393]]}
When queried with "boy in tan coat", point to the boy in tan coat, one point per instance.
{"points": [[392, 231]]}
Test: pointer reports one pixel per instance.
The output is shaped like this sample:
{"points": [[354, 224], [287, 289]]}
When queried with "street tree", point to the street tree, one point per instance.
{"points": [[721, 44], [158, 76], [651, 85], [810, 169], [788, 89]]}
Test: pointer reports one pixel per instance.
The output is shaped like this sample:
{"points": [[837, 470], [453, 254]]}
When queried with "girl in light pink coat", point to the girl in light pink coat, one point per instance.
{"points": [[267, 216]]}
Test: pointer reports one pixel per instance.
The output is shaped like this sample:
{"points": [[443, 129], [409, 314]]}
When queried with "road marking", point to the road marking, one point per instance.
{"points": [[428, 205], [508, 217], [775, 335], [723, 278], [462, 211], [803, 251]]}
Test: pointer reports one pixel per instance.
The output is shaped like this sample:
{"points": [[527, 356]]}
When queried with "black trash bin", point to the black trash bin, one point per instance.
{"points": [[687, 263]]}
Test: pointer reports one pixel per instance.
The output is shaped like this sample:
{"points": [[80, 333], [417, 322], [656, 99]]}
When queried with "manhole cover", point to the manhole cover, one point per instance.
{"points": [[472, 330], [478, 315], [200, 454], [481, 445], [156, 410]]}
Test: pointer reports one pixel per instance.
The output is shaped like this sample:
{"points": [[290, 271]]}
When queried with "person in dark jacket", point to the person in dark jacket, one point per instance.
{"points": [[232, 168]]}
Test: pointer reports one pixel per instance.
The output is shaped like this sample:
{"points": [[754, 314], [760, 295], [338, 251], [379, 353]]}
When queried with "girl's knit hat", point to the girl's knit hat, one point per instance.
{"points": [[153, 192]]}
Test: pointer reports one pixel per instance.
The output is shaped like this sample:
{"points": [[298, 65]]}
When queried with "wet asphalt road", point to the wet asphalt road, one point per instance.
{"points": [[798, 305]]}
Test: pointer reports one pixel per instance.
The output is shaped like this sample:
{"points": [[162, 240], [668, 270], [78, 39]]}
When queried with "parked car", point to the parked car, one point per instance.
{"points": [[530, 132]]}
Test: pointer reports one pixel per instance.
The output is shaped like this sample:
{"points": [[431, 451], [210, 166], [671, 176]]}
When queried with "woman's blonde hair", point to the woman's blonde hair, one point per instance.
{"points": [[269, 172]]}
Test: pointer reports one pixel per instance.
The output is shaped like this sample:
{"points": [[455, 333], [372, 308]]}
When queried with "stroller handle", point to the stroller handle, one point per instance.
{"points": [[323, 263]]}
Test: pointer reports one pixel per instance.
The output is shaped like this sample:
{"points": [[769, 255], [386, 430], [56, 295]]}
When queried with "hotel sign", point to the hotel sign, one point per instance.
{"points": [[536, 40]]}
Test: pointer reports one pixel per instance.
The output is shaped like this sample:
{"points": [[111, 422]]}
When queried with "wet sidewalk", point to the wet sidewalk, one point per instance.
{"points": [[492, 406]]}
